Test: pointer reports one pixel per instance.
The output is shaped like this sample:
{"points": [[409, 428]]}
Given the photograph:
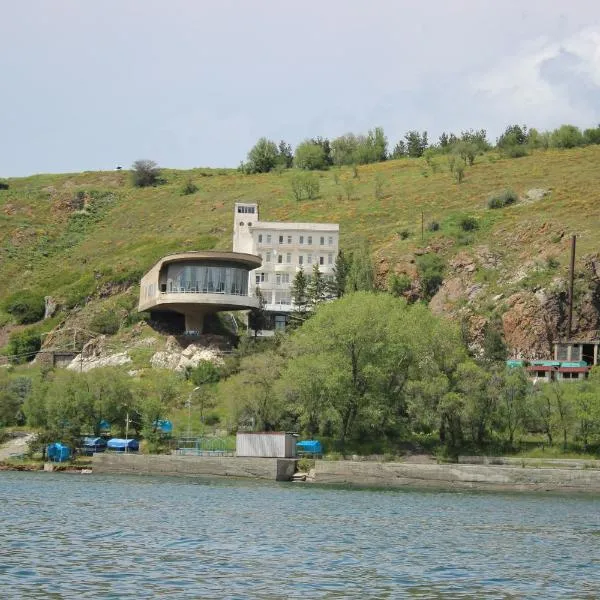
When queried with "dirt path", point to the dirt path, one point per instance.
{"points": [[17, 445]]}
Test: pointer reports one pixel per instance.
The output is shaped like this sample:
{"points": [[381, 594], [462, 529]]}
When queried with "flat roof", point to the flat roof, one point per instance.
{"points": [[249, 260], [333, 227]]}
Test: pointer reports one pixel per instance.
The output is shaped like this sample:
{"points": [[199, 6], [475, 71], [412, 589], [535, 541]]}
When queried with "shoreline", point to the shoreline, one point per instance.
{"points": [[575, 477]]}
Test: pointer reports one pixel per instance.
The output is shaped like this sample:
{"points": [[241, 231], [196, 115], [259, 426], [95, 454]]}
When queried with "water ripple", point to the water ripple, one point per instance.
{"points": [[153, 537]]}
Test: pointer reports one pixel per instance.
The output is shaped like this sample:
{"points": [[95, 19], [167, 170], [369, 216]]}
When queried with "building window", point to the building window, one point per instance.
{"points": [[330, 259], [268, 238], [268, 257], [322, 240], [246, 210], [262, 277], [300, 259], [280, 258], [288, 258], [301, 240], [330, 240], [281, 239], [321, 260], [260, 238], [282, 278], [310, 240], [289, 238], [280, 322], [309, 259]]}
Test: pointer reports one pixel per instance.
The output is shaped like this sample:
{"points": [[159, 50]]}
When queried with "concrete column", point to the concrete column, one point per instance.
{"points": [[194, 321], [596, 354]]}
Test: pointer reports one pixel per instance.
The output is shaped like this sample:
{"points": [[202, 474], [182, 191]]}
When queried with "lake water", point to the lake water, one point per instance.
{"points": [[95, 536]]}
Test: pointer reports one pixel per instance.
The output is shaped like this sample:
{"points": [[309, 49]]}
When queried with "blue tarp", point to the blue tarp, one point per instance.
{"points": [[119, 444], [93, 444], [164, 426], [312, 446], [104, 425], [58, 452]]}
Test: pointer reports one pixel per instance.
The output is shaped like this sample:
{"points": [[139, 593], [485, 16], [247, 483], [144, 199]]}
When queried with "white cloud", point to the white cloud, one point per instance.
{"points": [[547, 83]]}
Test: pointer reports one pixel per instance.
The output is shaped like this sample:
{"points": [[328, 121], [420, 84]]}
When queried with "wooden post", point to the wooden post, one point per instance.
{"points": [[571, 281]]}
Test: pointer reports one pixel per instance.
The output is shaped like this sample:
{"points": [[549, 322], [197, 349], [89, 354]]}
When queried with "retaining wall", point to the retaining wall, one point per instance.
{"points": [[274, 469], [456, 476]]}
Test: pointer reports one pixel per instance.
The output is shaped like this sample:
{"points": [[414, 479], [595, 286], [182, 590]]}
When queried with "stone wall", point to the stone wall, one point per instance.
{"points": [[456, 476], [274, 469]]}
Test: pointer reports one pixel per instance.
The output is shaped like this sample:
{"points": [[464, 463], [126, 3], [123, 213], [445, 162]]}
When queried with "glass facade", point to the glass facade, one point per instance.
{"points": [[200, 278]]}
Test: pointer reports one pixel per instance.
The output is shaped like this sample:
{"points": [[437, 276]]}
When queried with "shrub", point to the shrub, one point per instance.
{"points": [[399, 284], [459, 170], [505, 198], [468, 223], [592, 136], [431, 273], [189, 187], [25, 306], [107, 322], [145, 173], [567, 136], [23, 345], [310, 156], [515, 151], [433, 226], [404, 234], [3, 184], [305, 185]]}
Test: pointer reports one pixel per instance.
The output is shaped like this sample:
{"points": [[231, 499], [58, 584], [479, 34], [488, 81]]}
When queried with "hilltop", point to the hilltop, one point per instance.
{"points": [[85, 238]]}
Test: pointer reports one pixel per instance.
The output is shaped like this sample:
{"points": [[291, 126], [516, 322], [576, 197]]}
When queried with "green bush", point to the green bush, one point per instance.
{"points": [[515, 151], [23, 345], [107, 322], [189, 187], [567, 136], [431, 273], [25, 306], [468, 223], [310, 156], [433, 226], [305, 185], [404, 234], [505, 198], [3, 184], [145, 173], [399, 284]]}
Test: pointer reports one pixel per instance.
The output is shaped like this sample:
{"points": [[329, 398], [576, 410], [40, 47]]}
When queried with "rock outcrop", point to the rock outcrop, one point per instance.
{"points": [[95, 354], [176, 358]]}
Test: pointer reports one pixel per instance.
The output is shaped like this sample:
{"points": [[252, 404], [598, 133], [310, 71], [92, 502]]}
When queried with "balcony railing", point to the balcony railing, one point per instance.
{"points": [[192, 290]]}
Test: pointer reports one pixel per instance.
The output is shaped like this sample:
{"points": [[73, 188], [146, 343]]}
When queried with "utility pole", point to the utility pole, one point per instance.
{"points": [[422, 226], [126, 432], [571, 282]]}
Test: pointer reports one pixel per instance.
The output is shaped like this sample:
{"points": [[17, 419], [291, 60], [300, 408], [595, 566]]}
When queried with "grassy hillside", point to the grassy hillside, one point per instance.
{"points": [[67, 235]]}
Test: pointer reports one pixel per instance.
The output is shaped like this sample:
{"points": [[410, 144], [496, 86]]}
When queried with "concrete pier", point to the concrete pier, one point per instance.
{"points": [[456, 476], [273, 469]]}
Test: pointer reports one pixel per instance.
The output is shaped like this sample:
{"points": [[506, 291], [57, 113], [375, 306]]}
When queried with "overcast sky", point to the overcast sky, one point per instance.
{"points": [[92, 84]]}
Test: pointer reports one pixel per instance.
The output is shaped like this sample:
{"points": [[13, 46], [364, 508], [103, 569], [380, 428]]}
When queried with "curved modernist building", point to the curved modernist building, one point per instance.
{"points": [[195, 284]]}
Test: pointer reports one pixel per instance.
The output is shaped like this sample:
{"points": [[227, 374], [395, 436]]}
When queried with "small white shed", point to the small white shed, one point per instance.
{"points": [[266, 444]]}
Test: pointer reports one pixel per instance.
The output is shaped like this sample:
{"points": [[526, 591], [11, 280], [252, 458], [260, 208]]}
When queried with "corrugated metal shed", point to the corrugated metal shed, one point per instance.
{"points": [[270, 444]]}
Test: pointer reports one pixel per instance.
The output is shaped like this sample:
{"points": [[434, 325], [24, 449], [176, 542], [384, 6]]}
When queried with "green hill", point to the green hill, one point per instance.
{"points": [[80, 237]]}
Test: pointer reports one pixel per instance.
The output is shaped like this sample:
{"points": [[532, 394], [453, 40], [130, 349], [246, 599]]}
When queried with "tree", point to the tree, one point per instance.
{"points": [[324, 143], [250, 393], [263, 156], [316, 288], [473, 382], [399, 150], [398, 285], [361, 275], [257, 319], [300, 296], [351, 362], [310, 156], [343, 149], [145, 173], [340, 275], [514, 389], [514, 135], [567, 136], [286, 156], [416, 143], [494, 348]]}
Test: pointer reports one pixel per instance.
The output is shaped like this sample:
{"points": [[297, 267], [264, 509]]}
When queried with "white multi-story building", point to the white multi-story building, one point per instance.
{"points": [[284, 248]]}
